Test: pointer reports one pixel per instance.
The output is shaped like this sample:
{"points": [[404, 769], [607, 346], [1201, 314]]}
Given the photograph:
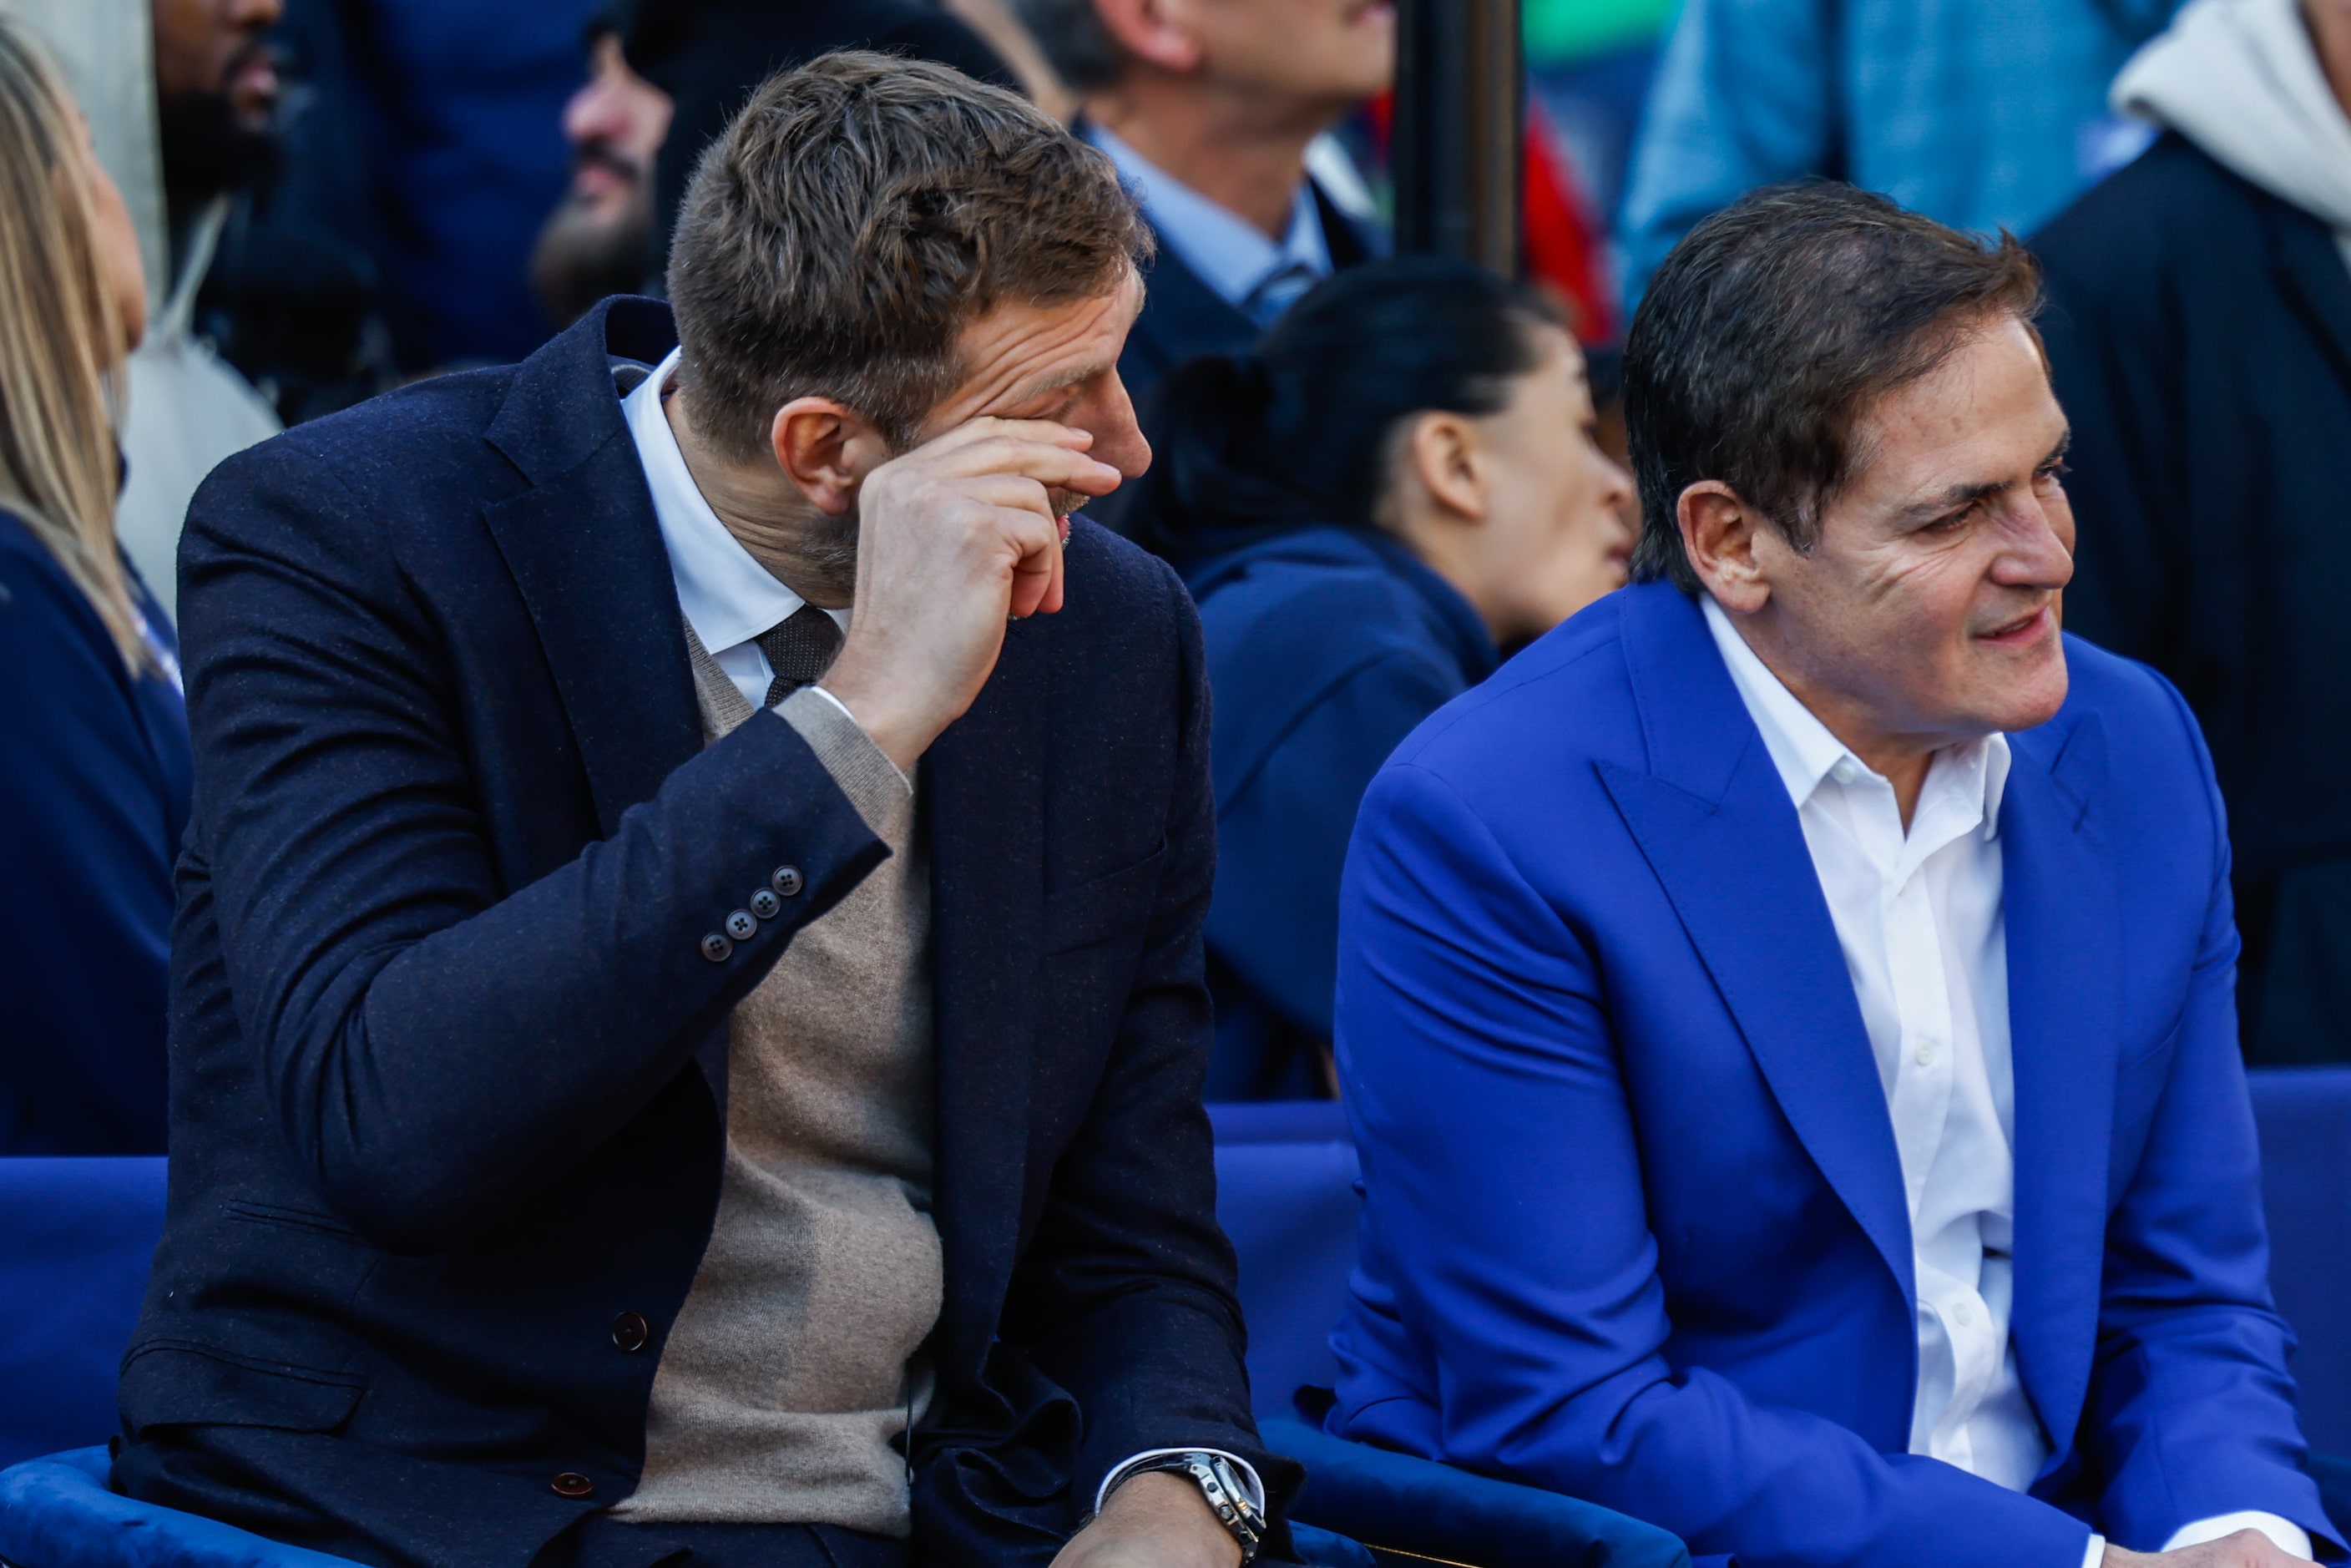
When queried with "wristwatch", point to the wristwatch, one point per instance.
{"points": [[1222, 1485]]}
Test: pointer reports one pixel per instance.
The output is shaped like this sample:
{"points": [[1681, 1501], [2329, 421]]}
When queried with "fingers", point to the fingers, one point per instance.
{"points": [[1052, 455]]}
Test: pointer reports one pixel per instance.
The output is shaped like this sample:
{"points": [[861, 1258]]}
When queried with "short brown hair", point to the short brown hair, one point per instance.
{"points": [[1772, 329], [849, 223]]}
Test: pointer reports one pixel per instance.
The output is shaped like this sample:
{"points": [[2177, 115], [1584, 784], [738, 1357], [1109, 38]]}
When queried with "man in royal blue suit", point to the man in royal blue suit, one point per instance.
{"points": [[1787, 1013]]}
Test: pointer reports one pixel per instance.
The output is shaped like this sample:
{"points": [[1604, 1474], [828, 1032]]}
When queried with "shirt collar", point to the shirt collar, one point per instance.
{"points": [[1805, 752], [1231, 255], [727, 597]]}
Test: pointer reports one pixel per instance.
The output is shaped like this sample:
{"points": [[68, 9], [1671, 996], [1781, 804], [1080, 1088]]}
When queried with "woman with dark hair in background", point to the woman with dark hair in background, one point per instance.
{"points": [[94, 764], [1400, 482]]}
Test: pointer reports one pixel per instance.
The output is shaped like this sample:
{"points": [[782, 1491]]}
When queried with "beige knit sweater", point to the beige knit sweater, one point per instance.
{"points": [[797, 1353]]}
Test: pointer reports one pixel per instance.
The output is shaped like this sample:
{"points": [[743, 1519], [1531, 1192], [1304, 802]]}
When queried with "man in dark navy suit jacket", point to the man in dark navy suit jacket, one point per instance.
{"points": [[635, 1060]]}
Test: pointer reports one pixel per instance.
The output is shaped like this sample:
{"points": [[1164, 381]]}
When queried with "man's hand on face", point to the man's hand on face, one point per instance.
{"points": [[1155, 1521], [2245, 1549], [954, 538]]}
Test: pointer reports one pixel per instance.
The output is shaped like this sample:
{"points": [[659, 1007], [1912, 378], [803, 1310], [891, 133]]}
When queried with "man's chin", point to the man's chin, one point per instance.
{"points": [[2026, 687]]}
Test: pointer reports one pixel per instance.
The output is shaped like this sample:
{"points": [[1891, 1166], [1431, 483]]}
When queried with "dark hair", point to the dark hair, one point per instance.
{"points": [[1771, 329], [1071, 35], [1303, 432], [856, 215]]}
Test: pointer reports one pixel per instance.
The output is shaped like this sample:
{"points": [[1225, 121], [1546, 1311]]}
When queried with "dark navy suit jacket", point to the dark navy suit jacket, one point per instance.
{"points": [[2200, 336], [1326, 647], [1183, 317], [93, 798], [1636, 1226], [449, 1061]]}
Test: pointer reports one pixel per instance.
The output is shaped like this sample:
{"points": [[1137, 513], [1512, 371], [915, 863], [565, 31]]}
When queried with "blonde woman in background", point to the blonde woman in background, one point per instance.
{"points": [[94, 761]]}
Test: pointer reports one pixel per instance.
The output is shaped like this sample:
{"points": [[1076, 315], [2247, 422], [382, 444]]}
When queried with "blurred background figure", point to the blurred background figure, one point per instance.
{"points": [[1977, 113], [707, 55], [1401, 483], [95, 791], [1209, 107], [2199, 331], [439, 153], [179, 94], [599, 239]]}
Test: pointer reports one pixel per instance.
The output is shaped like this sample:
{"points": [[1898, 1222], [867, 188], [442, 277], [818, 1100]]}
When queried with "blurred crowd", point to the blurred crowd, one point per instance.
{"points": [[1379, 478]]}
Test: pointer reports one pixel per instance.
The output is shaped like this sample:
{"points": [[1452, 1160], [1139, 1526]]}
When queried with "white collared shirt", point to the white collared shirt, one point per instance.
{"points": [[1919, 916], [728, 599], [1231, 255]]}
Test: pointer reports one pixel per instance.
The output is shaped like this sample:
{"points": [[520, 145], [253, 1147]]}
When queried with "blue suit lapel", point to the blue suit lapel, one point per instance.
{"points": [[2063, 923], [1714, 821]]}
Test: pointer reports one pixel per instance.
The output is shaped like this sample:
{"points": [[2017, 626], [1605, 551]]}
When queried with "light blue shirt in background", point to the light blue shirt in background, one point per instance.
{"points": [[1979, 113], [1230, 254]]}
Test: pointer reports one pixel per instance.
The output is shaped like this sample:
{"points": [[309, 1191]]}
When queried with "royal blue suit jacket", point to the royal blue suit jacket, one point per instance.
{"points": [[1634, 1225]]}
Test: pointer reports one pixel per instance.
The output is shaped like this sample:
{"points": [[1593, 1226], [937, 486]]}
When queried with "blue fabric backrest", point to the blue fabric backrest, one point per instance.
{"points": [[2305, 1117], [75, 1239], [1286, 1193]]}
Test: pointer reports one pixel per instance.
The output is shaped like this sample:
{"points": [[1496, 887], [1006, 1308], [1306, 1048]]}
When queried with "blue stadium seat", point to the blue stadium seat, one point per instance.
{"points": [[76, 1235], [2305, 1117], [1288, 1193], [75, 1239]]}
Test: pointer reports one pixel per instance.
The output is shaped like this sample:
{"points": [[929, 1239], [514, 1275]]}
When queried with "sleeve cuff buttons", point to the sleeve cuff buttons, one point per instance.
{"points": [[742, 925]]}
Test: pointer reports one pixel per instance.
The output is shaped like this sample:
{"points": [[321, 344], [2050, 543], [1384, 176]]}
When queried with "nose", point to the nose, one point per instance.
{"points": [[253, 15], [1119, 440], [2038, 552]]}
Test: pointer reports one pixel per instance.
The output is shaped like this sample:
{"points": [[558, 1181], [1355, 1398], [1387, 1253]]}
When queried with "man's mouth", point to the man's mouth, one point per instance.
{"points": [[251, 84], [2022, 630], [600, 170]]}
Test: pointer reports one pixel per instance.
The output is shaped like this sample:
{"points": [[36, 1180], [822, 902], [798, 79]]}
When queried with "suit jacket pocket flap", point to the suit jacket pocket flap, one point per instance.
{"points": [[1105, 907], [165, 1384]]}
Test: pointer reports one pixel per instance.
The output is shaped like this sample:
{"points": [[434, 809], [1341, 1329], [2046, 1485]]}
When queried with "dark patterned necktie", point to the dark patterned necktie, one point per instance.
{"points": [[799, 650]]}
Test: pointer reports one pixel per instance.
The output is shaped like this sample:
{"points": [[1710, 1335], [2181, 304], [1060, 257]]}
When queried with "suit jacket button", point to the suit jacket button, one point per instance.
{"points": [[571, 1483], [765, 904], [741, 926], [629, 1331], [715, 947], [787, 880]]}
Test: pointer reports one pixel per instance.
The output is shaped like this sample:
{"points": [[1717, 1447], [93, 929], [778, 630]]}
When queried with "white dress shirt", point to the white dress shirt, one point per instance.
{"points": [[1231, 255], [1919, 915], [728, 599]]}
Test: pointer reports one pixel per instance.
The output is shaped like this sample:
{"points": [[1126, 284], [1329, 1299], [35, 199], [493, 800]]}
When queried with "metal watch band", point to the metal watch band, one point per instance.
{"points": [[1227, 1495]]}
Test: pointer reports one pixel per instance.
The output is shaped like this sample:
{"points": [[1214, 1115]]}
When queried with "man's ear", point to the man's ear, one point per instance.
{"points": [[826, 449], [1158, 31], [1445, 451], [1718, 533]]}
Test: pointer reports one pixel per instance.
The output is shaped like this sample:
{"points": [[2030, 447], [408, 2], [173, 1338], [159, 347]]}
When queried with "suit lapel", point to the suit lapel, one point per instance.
{"points": [[1714, 821], [984, 809], [2063, 924], [588, 556]]}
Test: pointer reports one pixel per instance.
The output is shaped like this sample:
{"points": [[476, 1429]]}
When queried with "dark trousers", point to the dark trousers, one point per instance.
{"points": [[599, 1541]]}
